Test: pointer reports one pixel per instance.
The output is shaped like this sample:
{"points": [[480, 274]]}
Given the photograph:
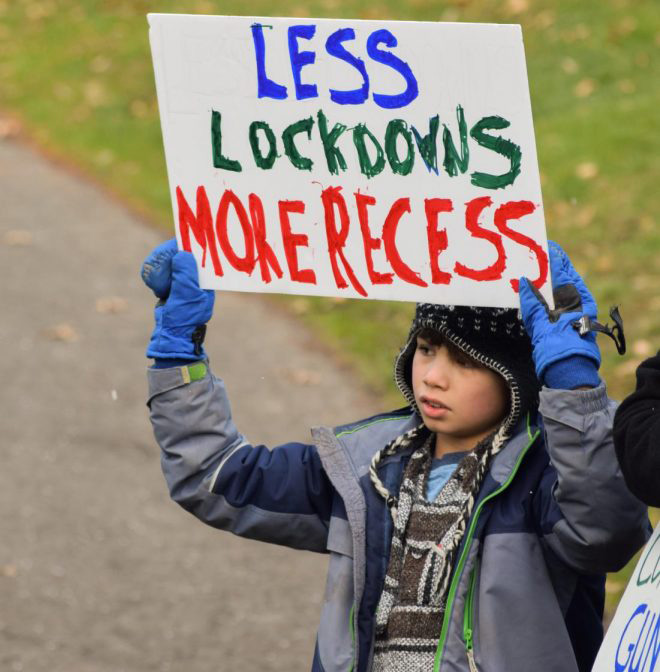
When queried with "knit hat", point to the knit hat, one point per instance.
{"points": [[494, 337]]}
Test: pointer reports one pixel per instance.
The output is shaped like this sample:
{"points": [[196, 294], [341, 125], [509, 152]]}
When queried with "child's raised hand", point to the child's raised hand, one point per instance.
{"points": [[156, 269], [183, 310], [553, 332]]}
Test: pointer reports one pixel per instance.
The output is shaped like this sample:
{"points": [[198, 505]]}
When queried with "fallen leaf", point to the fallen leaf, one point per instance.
{"points": [[642, 347], [584, 88], [545, 19], [9, 570], [63, 332], [300, 306], [626, 86], [303, 376], [18, 238], [9, 128], [104, 157], [111, 305], [642, 282], [569, 65], [95, 93], [585, 216], [100, 64], [586, 170], [35, 11], [647, 224], [627, 25], [62, 91], [518, 6], [605, 263], [139, 109]]}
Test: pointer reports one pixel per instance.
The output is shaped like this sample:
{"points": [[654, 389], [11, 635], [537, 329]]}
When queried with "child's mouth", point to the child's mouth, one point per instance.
{"points": [[433, 407]]}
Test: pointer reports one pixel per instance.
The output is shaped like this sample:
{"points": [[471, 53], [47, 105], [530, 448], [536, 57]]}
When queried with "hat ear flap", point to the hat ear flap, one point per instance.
{"points": [[403, 369]]}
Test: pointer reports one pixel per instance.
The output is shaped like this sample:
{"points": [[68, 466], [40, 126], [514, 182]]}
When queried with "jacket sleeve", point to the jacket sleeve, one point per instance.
{"points": [[281, 496], [589, 518], [637, 434]]}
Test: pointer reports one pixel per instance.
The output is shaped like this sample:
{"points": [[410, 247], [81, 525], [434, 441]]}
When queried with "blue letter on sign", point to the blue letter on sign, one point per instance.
{"points": [[300, 59], [386, 58], [266, 88], [335, 48]]}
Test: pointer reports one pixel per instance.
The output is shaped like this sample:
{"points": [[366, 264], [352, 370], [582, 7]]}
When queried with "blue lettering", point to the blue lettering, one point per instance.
{"points": [[266, 88], [390, 102], [335, 48], [634, 666], [618, 667], [299, 59], [654, 647]]}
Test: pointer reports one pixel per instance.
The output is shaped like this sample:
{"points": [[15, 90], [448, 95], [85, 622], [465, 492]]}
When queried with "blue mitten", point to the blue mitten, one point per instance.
{"points": [[562, 350], [184, 309]]}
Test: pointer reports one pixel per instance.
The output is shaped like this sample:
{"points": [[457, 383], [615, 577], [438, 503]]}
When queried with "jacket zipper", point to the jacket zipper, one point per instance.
{"points": [[466, 547], [468, 619]]}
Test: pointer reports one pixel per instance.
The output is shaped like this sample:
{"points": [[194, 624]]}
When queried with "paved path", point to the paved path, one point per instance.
{"points": [[99, 570]]}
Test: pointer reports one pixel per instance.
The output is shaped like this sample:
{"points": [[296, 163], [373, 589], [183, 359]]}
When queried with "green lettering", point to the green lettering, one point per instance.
{"points": [[367, 166], [497, 144], [427, 144], [265, 162], [395, 128], [290, 149], [220, 161], [454, 161], [333, 154]]}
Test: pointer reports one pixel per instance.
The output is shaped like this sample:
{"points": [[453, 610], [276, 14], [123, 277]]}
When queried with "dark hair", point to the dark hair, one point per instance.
{"points": [[435, 338]]}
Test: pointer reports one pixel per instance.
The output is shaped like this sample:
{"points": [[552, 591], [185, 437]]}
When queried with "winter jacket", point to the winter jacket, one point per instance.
{"points": [[553, 515], [637, 434]]}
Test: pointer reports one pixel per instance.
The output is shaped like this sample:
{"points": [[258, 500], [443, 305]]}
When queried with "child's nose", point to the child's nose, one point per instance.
{"points": [[438, 373]]}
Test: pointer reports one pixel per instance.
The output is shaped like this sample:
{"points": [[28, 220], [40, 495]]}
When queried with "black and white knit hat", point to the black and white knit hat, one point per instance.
{"points": [[494, 337]]}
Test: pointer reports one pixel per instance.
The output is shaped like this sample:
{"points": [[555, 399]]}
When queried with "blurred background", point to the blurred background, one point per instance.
{"points": [[76, 82]]}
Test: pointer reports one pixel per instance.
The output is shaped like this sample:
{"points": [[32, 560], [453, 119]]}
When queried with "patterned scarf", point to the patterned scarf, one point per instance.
{"points": [[424, 542]]}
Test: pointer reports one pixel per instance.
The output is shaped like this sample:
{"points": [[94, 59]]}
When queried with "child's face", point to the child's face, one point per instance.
{"points": [[459, 399]]}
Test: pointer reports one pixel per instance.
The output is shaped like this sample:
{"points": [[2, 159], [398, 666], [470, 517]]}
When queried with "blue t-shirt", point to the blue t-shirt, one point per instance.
{"points": [[441, 471]]}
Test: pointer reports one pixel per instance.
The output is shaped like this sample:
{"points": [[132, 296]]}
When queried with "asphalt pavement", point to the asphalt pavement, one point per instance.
{"points": [[99, 570]]}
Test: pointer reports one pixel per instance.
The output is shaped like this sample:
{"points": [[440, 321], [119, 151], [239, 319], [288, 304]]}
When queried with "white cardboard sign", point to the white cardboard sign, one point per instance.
{"points": [[372, 159], [632, 642]]}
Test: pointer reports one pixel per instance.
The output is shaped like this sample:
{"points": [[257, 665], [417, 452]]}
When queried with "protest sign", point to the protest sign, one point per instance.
{"points": [[373, 159], [632, 642]]}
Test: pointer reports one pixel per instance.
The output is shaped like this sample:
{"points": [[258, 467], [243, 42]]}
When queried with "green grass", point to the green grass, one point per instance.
{"points": [[78, 74]]}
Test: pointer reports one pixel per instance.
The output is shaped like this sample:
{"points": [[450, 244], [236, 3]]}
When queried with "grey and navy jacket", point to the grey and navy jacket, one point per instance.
{"points": [[553, 516]]}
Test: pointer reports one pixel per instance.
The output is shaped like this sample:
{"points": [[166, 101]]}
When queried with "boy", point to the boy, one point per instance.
{"points": [[464, 531]]}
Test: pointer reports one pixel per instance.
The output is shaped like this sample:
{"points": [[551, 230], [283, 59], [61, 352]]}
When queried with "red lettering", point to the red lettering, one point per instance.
{"points": [[473, 209], [399, 207], [437, 239], [516, 210], [370, 243], [201, 224], [292, 241], [244, 264], [332, 197], [265, 254]]}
